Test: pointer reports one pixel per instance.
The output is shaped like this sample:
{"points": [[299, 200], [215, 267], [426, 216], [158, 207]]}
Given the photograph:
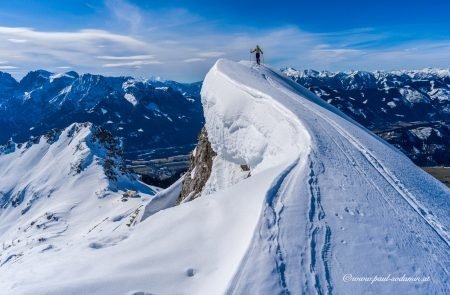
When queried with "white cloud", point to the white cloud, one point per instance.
{"points": [[78, 49], [211, 54], [137, 63], [126, 12], [194, 59], [12, 40], [8, 67], [32, 35], [322, 54], [132, 57]]}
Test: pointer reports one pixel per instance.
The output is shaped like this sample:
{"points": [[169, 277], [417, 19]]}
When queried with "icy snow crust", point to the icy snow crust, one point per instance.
{"points": [[325, 198]]}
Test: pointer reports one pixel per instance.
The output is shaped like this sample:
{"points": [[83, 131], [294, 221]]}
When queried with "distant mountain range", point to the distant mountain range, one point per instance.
{"points": [[148, 114], [410, 109], [162, 119]]}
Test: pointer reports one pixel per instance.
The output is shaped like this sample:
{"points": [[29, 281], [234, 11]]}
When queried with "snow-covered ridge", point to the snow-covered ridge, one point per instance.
{"points": [[237, 121], [325, 198], [347, 175]]}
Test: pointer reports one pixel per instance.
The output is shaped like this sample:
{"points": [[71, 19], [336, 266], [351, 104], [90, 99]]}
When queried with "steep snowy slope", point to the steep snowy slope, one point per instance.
{"points": [[325, 199], [62, 191]]}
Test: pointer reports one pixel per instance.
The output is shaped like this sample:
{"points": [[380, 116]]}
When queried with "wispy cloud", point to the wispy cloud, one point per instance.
{"points": [[5, 66], [138, 63], [78, 49], [126, 12], [8, 67], [194, 59], [84, 35], [334, 55], [131, 57], [211, 54], [12, 40]]}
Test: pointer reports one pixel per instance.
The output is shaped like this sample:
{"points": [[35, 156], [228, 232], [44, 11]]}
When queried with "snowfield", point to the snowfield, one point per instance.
{"points": [[326, 199]]}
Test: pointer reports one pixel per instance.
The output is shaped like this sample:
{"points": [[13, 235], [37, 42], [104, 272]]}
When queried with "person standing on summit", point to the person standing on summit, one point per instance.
{"points": [[257, 51]]}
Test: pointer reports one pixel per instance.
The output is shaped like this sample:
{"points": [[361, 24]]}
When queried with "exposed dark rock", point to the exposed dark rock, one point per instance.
{"points": [[9, 147], [199, 169], [52, 135], [245, 167]]}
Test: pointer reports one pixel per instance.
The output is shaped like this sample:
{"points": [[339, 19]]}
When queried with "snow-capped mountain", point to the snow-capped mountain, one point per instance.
{"points": [[410, 109], [298, 198], [148, 114], [64, 191]]}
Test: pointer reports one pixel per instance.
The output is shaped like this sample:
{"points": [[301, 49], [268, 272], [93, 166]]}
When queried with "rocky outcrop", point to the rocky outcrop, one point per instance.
{"points": [[199, 169]]}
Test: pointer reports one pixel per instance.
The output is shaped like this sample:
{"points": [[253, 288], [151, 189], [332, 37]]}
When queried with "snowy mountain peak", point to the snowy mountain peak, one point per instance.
{"points": [[7, 83], [35, 79], [69, 75], [78, 149], [64, 189]]}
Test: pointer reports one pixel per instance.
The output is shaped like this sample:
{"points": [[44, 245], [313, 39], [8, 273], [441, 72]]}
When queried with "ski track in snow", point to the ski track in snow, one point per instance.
{"points": [[269, 228], [272, 214], [388, 176], [269, 231], [319, 232]]}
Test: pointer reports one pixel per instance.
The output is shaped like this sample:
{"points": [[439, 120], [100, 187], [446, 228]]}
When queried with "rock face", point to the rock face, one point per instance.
{"points": [[199, 169]]}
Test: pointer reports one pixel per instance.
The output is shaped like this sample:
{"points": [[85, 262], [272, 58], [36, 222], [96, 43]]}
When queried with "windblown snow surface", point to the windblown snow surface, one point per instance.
{"points": [[326, 199]]}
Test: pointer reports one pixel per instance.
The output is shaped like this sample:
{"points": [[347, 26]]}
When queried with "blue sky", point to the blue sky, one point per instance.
{"points": [[181, 39]]}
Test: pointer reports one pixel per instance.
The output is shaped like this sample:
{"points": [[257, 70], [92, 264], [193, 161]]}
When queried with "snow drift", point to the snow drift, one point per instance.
{"points": [[325, 199]]}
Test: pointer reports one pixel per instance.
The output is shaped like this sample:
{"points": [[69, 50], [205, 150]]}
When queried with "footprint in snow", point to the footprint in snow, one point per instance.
{"points": [[349, 211], [190, 272], [95, 245], [359, 212]]}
